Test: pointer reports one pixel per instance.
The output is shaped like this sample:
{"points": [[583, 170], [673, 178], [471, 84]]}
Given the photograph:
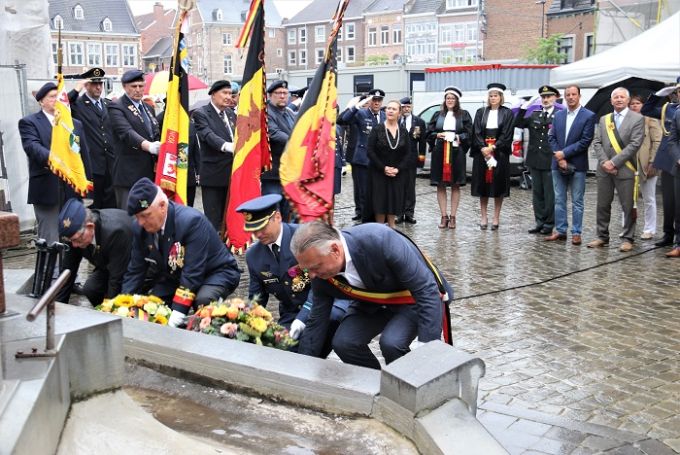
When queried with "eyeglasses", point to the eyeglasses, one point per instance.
{"points": [[281, 93], [78, 236]]}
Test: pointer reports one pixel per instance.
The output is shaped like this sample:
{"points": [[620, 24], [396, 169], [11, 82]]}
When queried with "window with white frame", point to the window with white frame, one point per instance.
{"points": [[453, 4], [292, 58], [303, 57], [227, 39], [302, 35], [589, 44], [94, 54], [58, 22], [107, 25], [111, 54], [129, 54], [471, 54], [471, 32], [351, 56], [78, 13], [54, 53], [319, 55], [340, 33], [384, 35], [372, 36], [228, 68], [338, 55], [445, 34], [75, 54], [396, 35], [271, 33], [218, 15], [319, 33], [566, 48], [350, 30], [292, 36]]}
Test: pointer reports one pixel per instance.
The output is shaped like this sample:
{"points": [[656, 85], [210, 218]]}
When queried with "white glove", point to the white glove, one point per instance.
{"points": [[415, 344], [353, 102], [177, 319], [154, 147], [228, 147], [449, 136], [491, 162], [363, 102], [665, 91], [296, 329], [529, 102]]}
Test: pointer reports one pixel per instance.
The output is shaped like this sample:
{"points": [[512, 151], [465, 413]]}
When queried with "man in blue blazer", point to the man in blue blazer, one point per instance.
{"points": [[192, 265], [274, 270], [364, 115], [46, 191], [572, 132], [395, 291]]}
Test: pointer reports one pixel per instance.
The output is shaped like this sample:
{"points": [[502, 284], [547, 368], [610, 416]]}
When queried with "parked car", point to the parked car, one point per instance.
{"points": [[471, 104]]}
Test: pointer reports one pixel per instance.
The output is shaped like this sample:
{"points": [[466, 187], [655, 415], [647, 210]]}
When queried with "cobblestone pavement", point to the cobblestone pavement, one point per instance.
{"points": [[582, 347]]}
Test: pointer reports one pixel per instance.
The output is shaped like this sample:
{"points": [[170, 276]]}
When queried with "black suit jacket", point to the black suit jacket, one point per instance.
{"points": [[279, 132], [213, 133], [97, 129], [129, 131], [44, 187], [417, 139]]}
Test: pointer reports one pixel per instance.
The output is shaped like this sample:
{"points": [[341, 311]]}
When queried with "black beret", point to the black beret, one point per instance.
{"points": [[496, 86], [44, 90], [455, 90], [277, 84], [258, 211], [71, 218], [405, 100], [142, 195], [219, 85], [376, 93], [132, 76], [94, 75], [548, 90]]}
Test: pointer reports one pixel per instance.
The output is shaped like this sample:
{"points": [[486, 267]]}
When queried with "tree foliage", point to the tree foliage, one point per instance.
{"points": [[546, 50]]}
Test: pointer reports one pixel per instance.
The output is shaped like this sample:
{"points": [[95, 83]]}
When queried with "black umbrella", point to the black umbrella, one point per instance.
{"points": [[601, 104]]}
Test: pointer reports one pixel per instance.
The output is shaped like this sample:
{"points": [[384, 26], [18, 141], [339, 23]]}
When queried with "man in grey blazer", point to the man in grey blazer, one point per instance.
{"points": [[616, 144], [396, 293]]}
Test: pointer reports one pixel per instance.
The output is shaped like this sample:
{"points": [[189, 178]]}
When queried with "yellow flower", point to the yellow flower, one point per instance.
{"points": [[107, 305], [258, 324], [160, 319], [220, 310], [163, 311], [138, 300], [245, 328], [154, 299], [261, 312], [123, 300], [122, 311]]}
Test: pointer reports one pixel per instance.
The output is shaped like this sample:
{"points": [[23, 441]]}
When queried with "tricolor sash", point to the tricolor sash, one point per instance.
{"points": [[400, 297], [617, 145]]}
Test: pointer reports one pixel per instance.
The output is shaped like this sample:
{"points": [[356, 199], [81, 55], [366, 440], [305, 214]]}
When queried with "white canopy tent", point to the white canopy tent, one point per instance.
{"points": [[652, 55]]}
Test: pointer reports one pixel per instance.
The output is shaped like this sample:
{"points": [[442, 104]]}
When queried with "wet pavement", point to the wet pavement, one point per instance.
{"points": [[582, 346]]}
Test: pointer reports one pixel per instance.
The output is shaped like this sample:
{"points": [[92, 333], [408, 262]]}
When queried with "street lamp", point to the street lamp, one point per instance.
{"points": [[542, 3]]}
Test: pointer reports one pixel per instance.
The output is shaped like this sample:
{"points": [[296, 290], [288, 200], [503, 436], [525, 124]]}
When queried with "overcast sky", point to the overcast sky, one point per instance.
{"points": [[291, 7]]}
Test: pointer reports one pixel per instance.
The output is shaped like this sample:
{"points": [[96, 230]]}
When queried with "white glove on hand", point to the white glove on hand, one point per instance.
{"points": [[449, 136], [296, 329], [415, 344], [665, 91], [228, 147], [363, 102], [491, 162], [177, 319], [154, 147]]}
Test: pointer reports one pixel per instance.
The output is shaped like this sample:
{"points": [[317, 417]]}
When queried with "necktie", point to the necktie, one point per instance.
{"points": [[377, 118], [98, 103], [275, 250], [545, 115], [145, 117], [617, 120]]}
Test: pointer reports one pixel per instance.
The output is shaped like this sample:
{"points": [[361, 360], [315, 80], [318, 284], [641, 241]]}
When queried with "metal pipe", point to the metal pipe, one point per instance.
{"points": [[49, 297]]}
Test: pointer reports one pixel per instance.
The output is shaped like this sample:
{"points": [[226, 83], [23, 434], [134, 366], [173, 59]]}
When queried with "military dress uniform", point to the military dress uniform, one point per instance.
{"points": [[539, 161]]}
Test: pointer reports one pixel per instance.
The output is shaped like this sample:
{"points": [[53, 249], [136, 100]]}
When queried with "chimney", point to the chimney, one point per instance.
{"points": [[158, 11]]}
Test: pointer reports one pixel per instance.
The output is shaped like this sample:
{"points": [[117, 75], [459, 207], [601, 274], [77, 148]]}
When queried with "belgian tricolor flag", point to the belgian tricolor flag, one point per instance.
{"points": [[251, 149], [173, 158], [308, 162]]}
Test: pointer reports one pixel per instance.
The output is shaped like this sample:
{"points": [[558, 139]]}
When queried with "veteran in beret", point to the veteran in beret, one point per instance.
{"points": [[193, 266], [215, 125], [136, 134], [274, 270], [280, 121], [46, 191], [104, 238]]}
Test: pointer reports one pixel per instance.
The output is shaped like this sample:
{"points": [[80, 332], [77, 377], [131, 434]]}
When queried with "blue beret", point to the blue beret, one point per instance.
{"points": [[405, 100], [376, 93], [71, 218], [258, 211], [235, 87], [132, 76], [44, 90], [219, 85], [142, 194], [277, 84]]}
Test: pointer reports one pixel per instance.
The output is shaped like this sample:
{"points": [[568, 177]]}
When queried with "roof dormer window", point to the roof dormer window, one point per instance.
{"points": [[58, 22], [107, 25], [217, 14], [78, 13]]}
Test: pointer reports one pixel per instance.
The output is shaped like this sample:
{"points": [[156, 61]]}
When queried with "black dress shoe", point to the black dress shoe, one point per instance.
{"points": [[535, 230], [666, 240], [546, 231], [399, 220], [410, 220], [356, 217]]}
